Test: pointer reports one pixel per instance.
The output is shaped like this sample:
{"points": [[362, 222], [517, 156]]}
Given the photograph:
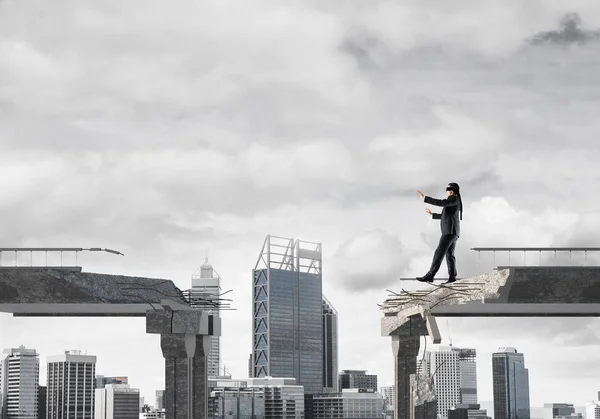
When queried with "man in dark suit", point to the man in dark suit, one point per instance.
{"points": [[450, 226]]}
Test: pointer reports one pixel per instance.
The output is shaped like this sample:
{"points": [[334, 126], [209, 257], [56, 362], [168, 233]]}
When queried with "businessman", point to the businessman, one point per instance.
{"points": [[450, 226]]}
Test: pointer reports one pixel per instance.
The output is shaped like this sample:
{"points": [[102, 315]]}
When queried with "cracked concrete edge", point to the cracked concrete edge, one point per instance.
{"points": [[487, 286], [423, 389]]}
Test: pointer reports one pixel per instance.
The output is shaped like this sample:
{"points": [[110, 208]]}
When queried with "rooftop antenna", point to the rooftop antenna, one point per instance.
{"points": [[449, 335]]}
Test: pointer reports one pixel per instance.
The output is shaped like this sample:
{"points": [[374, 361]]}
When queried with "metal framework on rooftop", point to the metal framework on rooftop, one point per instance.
{"points": [[290, 255]]}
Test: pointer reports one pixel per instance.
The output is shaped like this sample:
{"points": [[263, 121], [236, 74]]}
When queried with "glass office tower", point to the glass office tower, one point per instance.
{"points": [[511, 384], [288, 312]]}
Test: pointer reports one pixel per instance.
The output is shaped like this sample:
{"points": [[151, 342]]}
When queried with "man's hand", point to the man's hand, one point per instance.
{"points": [[420, 194], [428, 211]]}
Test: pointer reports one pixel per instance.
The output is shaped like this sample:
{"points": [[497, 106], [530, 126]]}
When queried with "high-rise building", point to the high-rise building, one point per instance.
{"points": [[117, 401], [206, 281], [330, 347], [510, 381], [468, 375], [357, 379], [70, 386], [19, 383], [444, 365], [287, 325], [160, 400]]}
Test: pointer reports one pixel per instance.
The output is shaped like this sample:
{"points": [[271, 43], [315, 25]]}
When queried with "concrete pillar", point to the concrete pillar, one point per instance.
{"points": [[185, 375], [405, 350], [185, 342]]}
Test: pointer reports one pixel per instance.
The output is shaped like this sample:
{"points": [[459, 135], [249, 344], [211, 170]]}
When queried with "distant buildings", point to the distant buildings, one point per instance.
{"points": [[510, 384], [19, 383], [206, 281], [256, 398], [117, 401], [388, 401], [559, 411], [349, 403], [357, 379], [287, 301], [70, 386], [160, 400]]}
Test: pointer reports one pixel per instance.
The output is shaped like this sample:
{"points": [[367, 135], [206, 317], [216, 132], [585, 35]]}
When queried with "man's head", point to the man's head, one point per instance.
{"points": [[452, 189]]}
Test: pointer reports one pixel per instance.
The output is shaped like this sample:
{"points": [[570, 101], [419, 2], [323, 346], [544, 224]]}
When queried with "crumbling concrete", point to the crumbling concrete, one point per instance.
{"points": [[423, 400], [512, 291]]}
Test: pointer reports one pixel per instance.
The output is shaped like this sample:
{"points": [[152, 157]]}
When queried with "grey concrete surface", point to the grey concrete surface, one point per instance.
{"points": [[55, 292]]}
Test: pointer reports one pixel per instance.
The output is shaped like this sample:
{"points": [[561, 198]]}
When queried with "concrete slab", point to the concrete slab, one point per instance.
{"points": [[58, 292], [518, 291]]}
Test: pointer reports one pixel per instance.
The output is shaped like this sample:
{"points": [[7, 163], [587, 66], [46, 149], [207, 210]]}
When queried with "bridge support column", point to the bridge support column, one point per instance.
{"points": [[185, 342], [186, 381], [405, 350]]}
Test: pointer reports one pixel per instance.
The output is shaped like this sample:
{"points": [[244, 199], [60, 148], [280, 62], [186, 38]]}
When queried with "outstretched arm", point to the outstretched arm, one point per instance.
{"points": [[451, 201], [434, 215]]}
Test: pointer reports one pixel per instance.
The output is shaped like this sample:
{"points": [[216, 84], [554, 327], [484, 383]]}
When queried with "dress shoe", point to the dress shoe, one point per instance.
{"points": [[450, 281], [425, 278]]}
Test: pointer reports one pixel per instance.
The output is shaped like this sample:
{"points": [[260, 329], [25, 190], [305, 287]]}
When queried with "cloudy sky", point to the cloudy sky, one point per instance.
{"points": [[163, 130]]}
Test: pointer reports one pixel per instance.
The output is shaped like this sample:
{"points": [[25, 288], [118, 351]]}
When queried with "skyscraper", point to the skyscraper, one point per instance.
{"points": [[511, 384], [70, 388], [287, 324], [19, 383], [468, 375], [330, 347], [207, 281], [444, 365]]}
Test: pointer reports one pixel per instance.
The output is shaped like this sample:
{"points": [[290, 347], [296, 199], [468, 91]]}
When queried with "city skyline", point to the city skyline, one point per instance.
{"points": [[187, 127]]}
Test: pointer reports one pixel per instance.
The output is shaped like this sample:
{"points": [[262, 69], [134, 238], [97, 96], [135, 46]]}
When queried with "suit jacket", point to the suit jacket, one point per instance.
{"points": [[450, 220]]}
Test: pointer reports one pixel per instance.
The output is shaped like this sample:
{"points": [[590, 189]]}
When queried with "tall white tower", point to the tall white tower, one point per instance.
{"points": [[206, 281], [19, 383], [444, 365]]}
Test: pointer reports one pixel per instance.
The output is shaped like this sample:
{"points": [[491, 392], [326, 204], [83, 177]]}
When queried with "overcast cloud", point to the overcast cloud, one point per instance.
{"points": [[163, 130]]}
